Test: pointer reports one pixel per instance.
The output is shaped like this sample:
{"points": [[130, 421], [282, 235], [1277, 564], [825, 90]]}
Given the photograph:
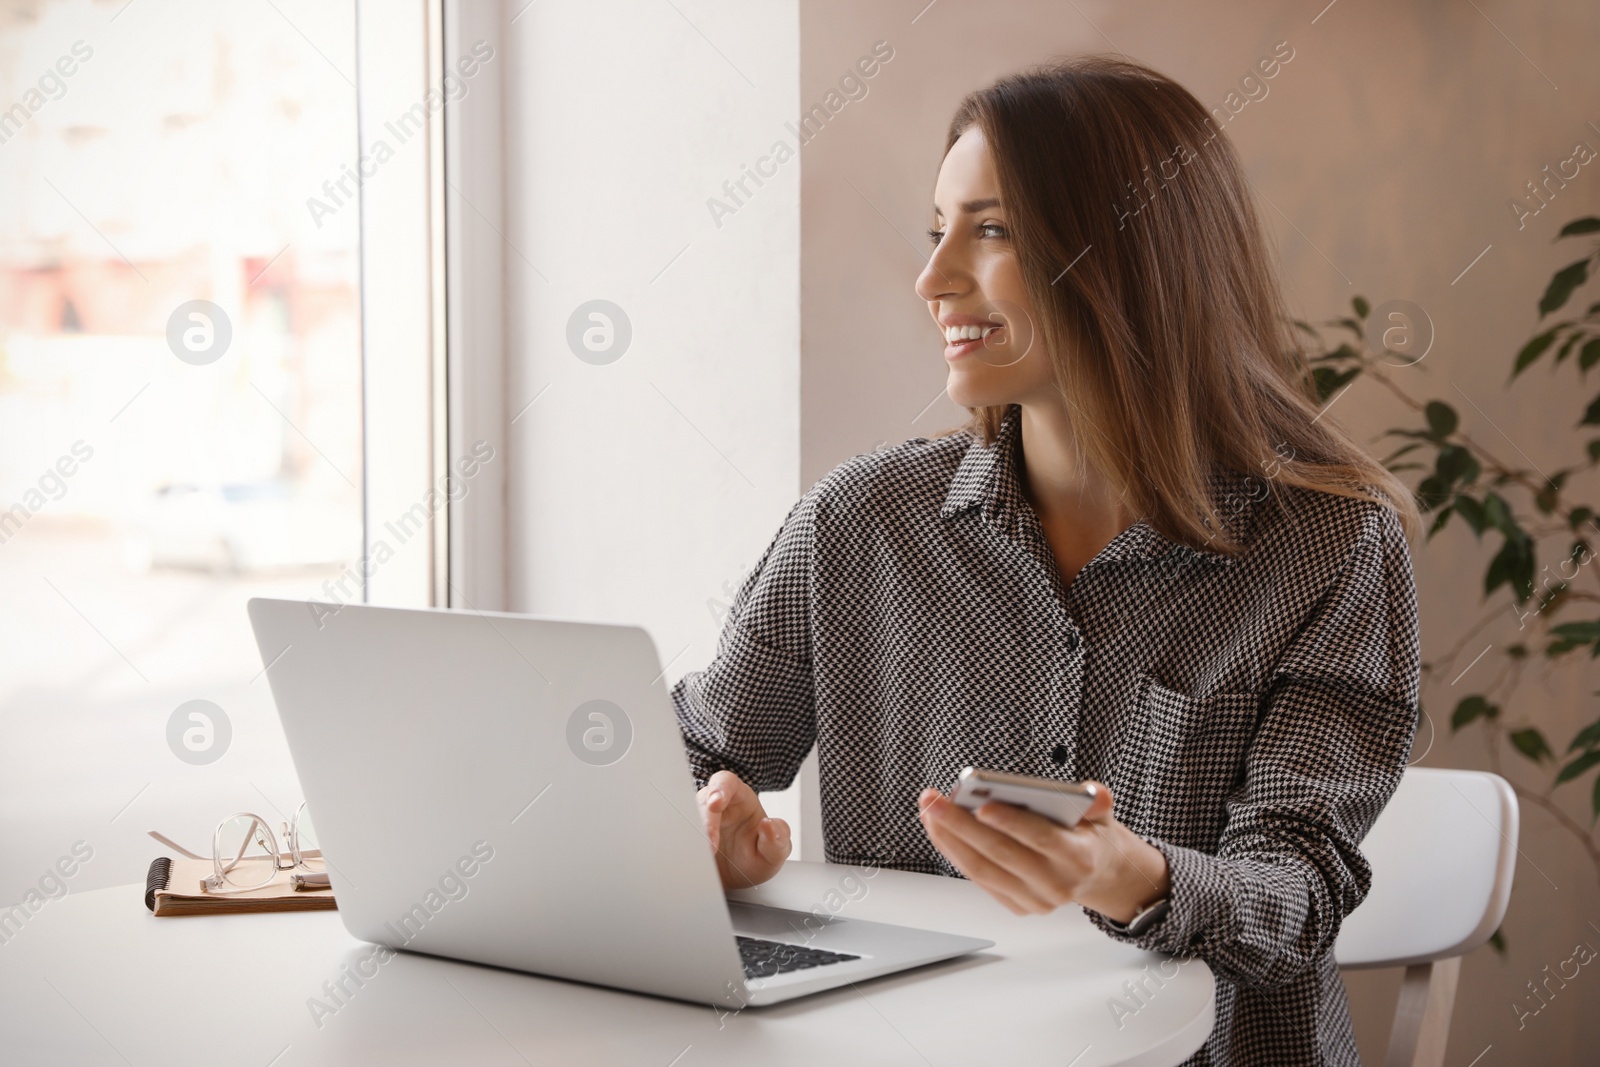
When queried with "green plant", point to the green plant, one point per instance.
{"points": [[1527, 515]]}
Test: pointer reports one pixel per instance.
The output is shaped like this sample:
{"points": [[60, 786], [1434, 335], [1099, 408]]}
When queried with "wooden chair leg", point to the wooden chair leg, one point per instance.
{"points": [[1422, 1017]]}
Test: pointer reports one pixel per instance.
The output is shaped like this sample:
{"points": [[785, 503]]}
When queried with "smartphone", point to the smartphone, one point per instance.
{"points": [[1061, 802]]}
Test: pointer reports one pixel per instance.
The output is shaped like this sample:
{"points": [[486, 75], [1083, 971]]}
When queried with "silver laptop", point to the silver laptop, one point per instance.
{"points": [[514, 791]]}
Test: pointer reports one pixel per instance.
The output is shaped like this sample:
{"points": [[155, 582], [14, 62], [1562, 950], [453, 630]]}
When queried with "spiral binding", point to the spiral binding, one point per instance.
{"points": [[159, 875]]}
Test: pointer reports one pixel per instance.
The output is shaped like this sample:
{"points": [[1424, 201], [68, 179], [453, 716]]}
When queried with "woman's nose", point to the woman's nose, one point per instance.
{"points": [[940, 277]]}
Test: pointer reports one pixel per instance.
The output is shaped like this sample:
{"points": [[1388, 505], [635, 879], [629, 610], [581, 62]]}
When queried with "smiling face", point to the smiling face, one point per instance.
{"points": [[974, 289]]}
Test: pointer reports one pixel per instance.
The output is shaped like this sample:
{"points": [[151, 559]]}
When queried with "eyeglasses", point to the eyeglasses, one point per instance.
{"points": [[245, 853]]}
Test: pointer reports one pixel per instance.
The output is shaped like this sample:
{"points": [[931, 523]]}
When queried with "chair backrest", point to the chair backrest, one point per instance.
{"points": [[1442, 853]]}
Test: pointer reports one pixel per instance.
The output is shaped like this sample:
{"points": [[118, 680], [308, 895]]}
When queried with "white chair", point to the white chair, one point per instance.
{"points": [[1443, 853]]}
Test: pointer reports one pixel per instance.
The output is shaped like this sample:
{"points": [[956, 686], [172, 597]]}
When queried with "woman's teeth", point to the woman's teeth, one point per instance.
{"points": [[957, 334]]}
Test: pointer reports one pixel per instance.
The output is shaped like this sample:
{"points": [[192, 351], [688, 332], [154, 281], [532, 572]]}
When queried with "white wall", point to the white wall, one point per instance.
{"points": [[641, 490]]}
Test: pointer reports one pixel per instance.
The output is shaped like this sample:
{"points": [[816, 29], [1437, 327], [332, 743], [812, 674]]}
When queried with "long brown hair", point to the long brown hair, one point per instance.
{"points": [[1169, 334]]}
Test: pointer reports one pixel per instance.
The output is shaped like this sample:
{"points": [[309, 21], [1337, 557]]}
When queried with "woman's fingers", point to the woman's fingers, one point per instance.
{"points": [[772, 840], [1008, 868], [712, 802], [749, 846], [975, 864], [978, 871]]}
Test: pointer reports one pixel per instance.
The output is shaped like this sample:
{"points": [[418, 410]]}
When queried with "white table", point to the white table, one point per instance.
{"points": [[94, 978]]}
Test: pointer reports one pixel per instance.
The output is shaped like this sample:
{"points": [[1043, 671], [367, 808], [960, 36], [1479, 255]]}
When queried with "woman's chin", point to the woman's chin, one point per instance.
{"points": [[969, 394]]}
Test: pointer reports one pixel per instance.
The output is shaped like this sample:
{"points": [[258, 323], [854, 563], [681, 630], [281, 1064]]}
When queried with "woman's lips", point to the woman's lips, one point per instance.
{"points": [[953, 352]]}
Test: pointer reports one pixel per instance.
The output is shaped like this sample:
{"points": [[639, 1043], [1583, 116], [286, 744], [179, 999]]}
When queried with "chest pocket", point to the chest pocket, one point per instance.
{"points": [[1182, 757]]}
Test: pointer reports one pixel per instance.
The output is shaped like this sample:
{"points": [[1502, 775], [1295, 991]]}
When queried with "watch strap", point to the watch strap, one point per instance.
{"points": [[1148, 916]]}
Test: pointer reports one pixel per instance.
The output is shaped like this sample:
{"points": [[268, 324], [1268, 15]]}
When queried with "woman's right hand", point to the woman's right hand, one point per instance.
{"points": [[750, 847]]}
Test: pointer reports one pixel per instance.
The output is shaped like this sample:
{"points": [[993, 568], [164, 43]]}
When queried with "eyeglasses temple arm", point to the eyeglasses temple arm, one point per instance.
{"points": [[170, 843]]}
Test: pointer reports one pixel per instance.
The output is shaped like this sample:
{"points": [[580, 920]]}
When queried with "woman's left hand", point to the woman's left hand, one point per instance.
{"points": [[1034, 865]]}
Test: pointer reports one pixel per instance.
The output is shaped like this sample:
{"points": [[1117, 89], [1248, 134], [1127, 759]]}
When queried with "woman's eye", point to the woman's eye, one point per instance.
{"points": [[987, 229]]}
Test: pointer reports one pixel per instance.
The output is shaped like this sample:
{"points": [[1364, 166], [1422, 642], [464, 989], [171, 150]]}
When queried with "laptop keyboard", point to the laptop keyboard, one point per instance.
{"points": [[763, 959]]}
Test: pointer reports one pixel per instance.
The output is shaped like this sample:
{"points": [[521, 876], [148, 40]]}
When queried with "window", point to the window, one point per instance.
{"points": [[180, 406]]}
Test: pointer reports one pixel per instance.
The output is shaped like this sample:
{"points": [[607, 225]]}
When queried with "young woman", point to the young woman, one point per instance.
{"points": [[1150, 561]]}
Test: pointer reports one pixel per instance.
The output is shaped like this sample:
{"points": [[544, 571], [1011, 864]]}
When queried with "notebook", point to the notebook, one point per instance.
{"points": [[175, 886]]}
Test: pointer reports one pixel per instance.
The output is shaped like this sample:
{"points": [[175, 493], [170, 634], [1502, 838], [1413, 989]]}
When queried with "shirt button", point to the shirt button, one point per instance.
{"points": [[1059, 754]]}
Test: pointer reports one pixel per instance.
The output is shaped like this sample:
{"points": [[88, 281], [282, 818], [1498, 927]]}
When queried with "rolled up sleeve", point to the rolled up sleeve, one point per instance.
{"points": [[1334, 735], [752, 710]]}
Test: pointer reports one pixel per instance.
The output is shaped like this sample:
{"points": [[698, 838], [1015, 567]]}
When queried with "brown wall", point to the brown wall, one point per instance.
{"points": [[1388, 148]]}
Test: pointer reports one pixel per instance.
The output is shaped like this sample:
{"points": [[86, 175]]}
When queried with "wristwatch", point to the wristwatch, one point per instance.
{"points": [[1148, 916]]}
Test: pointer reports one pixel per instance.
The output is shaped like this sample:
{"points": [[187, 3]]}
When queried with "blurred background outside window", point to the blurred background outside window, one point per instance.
{"points": [[157, 166]]}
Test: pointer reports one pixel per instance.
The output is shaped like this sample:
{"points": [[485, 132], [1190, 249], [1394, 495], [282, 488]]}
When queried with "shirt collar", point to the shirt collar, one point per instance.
{"points": [[988, 478]]}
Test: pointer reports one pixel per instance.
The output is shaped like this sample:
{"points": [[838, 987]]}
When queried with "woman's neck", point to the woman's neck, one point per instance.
{"points": [[1063, 487]]}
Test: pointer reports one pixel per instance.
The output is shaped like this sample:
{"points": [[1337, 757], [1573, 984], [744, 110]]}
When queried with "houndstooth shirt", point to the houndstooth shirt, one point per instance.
{"points": [[1251, 714]]}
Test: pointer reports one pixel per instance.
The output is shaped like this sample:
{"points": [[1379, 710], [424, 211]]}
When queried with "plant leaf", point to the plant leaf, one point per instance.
{"points": [[1591, 414], [1498, 940], [1362, 307], [1512, 565], [1588, 737], [1531, 743], [1442, 419], [1472, 512], [1591, 224], [1566, 346], [1456, 464], [1498, 512], [1532, 351], [1499, 572], [1562, 283], [1589, 354], [1549, 493], [1582, 632], [1595, 801], [1328, 381], [1471, 709], [1431, 492], [1578, 766], [1438, 523], [1578, 636]]}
